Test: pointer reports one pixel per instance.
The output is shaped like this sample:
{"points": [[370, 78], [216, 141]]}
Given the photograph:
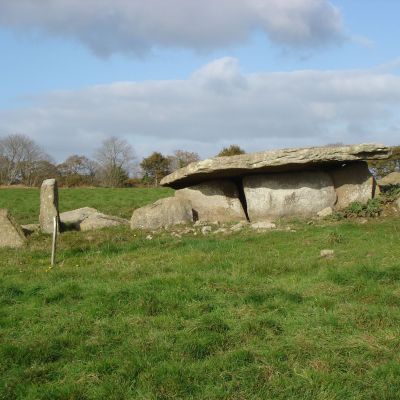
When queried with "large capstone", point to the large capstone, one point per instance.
{"points": [[214, 201], [273, 161], [48, 205], [303, 193], [11, 234], [353, 183], [162, 213]]}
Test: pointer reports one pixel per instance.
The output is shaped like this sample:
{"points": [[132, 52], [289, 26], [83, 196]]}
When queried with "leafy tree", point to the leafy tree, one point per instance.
{"points": [[181, 158], [154, 168], [115, 158], [232, 150]]}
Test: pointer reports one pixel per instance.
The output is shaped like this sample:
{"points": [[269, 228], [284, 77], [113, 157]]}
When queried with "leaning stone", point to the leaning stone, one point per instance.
{"points": [[326, 212], [391, 180], [214, 201], [48, 205], [164, 212], [398, 203], [353, 182], [11, 234], [302, 193], [273, 161], [262, 225]]}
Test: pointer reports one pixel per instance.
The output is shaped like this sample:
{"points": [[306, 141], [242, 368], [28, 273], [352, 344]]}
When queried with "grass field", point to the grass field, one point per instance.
{"points": [[244, 316], [24, 203]]}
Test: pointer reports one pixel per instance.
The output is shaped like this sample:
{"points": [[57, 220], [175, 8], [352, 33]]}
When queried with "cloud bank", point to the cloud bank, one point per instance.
{"points": [[138, 26], [216, 106]]}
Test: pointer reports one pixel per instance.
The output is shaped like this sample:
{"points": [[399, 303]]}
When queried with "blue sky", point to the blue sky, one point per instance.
{"points": [[260, 73]]}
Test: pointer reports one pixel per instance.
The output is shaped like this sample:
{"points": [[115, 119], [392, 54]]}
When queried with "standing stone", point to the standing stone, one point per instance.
{"points": [[288, 194], [162, 213], [214, 201], [11, 234], [353, 182], [48, 205]]}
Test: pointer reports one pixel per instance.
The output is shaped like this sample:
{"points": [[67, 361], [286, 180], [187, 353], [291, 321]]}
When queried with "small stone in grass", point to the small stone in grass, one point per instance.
{"points": [[327, 253]]}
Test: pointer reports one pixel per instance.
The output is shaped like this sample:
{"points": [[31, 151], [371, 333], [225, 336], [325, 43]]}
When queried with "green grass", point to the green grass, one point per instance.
{"points": [[246, 316], [24, 203]]}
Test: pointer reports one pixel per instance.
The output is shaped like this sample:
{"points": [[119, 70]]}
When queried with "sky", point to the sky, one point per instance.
{"points": [[199, 75]]}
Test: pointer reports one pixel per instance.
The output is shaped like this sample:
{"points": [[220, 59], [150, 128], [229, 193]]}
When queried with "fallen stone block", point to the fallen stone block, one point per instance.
{"points": [[162, 213], [11, 234], [87, 218]]}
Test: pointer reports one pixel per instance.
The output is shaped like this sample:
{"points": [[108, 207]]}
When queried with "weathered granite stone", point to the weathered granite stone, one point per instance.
{"points": [[262, 225], [273, 161], [302, 193], [29, 229], [353, 182], [162, 213], [326, 212], [87, 218], [11, 234], [48, 205], [214, 201], [398, 203], [99, 221], [391, 180]]}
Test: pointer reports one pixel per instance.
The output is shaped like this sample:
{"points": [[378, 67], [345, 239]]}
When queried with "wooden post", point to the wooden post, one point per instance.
{"points": [[54, 245]]}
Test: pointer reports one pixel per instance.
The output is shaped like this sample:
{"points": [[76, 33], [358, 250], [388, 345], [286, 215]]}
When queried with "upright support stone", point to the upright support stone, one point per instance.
{"points": [[11, 234], [48, 205], [214, 201], [353, 182]]}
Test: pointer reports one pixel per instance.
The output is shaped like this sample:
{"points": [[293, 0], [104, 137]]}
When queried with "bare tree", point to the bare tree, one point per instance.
{"points": [[115, 158], [78, 170], [18, 158], [182, 158]]}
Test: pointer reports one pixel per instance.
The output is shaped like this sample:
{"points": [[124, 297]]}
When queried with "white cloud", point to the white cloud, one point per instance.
{"points": [[138, 26], [217, 105]]}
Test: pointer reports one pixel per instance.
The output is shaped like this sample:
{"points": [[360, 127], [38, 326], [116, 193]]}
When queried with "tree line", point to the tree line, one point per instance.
{"points": [[22, 161]]}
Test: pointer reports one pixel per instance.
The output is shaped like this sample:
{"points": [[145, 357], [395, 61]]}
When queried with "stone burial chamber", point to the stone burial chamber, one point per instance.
{"points": [[300, 182]]}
